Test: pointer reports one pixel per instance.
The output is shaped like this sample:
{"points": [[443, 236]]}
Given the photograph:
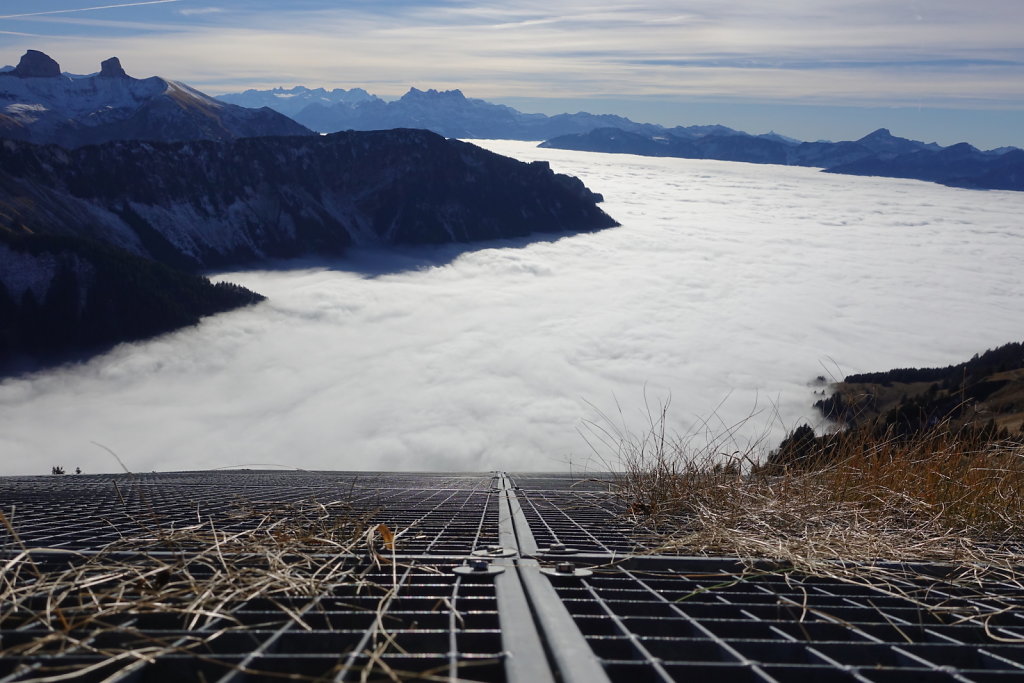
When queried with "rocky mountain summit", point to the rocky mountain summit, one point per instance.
{"points": [[39, 103], [35, 64]]}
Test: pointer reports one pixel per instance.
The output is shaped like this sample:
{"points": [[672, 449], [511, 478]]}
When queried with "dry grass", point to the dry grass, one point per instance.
{"points": [[288, 557], [864, 512]]}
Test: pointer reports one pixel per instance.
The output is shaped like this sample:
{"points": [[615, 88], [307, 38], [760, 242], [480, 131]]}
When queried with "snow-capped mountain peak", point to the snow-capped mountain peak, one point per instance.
{"points": [[41, 104]]}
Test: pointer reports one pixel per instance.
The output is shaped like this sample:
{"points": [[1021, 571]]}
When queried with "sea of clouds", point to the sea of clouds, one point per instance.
{"points": [[728, 289]]}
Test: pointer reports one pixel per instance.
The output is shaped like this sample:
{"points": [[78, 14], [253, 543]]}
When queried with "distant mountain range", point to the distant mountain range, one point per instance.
{"points": [[878, 154], [292, 101], [725, 144], [448, 113], [958, 165], [452, 114], [40, 104]]}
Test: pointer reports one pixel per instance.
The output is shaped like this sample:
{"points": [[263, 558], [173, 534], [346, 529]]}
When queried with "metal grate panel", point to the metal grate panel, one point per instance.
{"points": [[402, 611], [433, 621], [441, 514], [668, 624], [589, 519]]}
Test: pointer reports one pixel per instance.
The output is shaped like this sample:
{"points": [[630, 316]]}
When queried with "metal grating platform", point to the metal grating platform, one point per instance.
{"points": [[243, 576]]}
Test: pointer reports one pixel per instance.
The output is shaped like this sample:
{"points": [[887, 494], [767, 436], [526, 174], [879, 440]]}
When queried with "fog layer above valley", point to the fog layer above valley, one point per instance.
{"points": [[729, 288]]}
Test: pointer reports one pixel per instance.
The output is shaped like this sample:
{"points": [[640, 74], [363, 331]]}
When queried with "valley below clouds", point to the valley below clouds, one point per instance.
{"points": [[728, 288]]}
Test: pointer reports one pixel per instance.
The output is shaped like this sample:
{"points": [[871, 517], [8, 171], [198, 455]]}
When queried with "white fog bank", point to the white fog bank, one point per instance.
{"points": [[731, 284]]}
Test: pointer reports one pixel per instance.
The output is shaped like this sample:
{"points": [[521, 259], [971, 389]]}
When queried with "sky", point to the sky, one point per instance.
{"points": [[935, 70], [727, 290]]}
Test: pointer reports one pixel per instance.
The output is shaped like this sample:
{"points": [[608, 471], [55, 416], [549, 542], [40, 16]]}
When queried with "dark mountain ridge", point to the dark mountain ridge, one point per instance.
{"points": [[64, 298], [959, 165], [979, 402], [879, 153], [100, 244], [988, 388], [206, 204]]}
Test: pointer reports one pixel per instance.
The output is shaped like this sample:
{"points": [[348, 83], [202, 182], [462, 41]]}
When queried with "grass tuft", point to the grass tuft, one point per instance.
{"points": [[863, 507], [191, 579]]}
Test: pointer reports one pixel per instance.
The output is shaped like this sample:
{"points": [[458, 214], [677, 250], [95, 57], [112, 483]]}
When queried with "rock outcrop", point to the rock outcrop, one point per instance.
{"points": [[111, 68], [35, 64]]}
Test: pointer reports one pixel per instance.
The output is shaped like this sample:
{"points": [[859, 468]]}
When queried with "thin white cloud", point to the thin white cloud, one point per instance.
{"points": [[86, 9], [198, 11], [119, 24]]}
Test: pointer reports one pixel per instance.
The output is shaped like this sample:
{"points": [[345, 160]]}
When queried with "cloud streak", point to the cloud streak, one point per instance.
{"points": [[85, 9], [200, 11], [726, 281]]}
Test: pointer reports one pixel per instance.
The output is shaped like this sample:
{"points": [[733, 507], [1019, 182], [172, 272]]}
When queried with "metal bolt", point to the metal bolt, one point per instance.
{"points": [[495, 549], [479, 565], [565, 568], [557, 548]]}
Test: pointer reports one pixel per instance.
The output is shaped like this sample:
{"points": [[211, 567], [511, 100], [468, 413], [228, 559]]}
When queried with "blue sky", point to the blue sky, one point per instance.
{"points": [[939, 70]]}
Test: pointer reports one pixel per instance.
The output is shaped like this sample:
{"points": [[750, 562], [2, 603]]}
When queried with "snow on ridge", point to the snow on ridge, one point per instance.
{"points": [[77, 98], [22, 271], [188, 91]]}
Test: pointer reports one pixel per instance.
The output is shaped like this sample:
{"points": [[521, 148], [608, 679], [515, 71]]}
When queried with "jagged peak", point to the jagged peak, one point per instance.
{"points": [[111, 68], [416, 93], [294, 90], [879, 134], [36, 64]]}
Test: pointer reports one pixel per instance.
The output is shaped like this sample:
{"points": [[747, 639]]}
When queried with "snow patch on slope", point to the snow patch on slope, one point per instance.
{"points": [[195, 230], [21, 272]]}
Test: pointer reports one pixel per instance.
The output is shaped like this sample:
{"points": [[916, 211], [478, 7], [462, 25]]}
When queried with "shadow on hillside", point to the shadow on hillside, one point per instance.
{"points": [[367, 262], [371, 262]]}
